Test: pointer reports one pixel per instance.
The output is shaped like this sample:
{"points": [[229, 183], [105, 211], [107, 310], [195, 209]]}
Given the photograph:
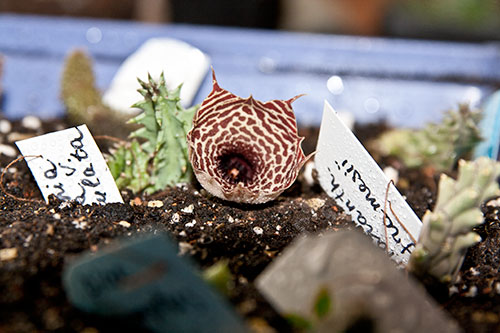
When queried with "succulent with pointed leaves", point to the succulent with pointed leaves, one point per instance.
{"points": [[244, 150], [160, 159], [447, 230]]}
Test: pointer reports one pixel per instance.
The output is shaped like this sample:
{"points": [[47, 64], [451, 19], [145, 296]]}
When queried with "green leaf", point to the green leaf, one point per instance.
{"points": [[219, 276], [323, 303], [299, 322]]}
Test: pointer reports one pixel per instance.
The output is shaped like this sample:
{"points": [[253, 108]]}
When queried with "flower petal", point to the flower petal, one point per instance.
{"points": [[245, 150]]}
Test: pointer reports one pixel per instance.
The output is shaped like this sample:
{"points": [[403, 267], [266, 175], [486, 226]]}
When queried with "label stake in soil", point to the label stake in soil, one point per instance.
{"points": [[70, 166], [348, 173], [146, 280]]}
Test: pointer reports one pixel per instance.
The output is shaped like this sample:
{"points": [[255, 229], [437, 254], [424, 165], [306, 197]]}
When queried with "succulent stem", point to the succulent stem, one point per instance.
{"points": [[437, 145], [447, 231], [161, 159]]}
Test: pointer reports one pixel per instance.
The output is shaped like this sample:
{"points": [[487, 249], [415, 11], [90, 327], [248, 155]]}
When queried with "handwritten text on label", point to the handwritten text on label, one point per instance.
{"points": [[349, 174], [70, 166]]}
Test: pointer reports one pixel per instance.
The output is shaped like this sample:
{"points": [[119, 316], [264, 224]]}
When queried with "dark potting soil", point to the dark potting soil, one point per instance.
{"points": [[43, 237]]}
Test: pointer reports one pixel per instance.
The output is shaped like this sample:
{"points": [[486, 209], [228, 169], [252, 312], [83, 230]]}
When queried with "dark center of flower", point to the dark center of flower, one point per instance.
{"points": [[235, 168]]}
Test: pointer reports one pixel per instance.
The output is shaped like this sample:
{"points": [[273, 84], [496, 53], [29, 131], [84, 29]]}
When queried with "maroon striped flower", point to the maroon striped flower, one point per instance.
{"points": [[245, 150]]}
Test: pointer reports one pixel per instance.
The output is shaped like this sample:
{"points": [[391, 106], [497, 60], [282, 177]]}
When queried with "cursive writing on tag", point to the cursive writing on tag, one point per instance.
{"points": [[69, 165], [349, 174]]}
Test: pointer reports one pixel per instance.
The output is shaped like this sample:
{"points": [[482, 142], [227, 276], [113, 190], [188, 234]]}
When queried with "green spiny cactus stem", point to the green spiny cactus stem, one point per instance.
{"points": [[83, 101], [439, 145], [161, 159], [79, 93], [447, 230]]}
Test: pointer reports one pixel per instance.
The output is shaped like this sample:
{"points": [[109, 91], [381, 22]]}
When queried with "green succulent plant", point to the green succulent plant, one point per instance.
{"points": [[447, 230], [83, 100], [439, 145], [156, 156]]}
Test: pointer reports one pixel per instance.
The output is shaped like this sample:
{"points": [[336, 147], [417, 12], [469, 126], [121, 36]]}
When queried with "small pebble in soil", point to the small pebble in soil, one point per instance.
{"points": [[258, 230], [79, 224], [188, 210], [175, 218], [181, 186], [474, 271], [5, 126], [50, 230], [8, 254], [124, 224], [315, 203], [497, 287], [31, 122], [472, 292], [155, 204], [190, 224], [135, 202], [8, 151]]}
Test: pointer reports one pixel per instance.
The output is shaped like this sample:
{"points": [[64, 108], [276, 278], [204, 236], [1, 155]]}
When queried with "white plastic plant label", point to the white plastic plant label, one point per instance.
{"points": [[180, 62], [349, 174], [69, 165]]}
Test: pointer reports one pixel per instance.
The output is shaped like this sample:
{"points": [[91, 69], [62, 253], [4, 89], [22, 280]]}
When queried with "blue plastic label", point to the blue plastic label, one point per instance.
{"points": [[146, 279]]}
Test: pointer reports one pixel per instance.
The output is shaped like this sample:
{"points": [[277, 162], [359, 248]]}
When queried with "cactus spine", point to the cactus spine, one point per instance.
{"points": [[447, 231]]}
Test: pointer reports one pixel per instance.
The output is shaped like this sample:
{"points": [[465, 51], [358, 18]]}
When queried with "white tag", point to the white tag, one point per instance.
{"points": [[180, 62], [70, 166], [349, 174]]}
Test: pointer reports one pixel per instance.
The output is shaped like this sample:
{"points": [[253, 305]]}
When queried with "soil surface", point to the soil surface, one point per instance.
{"points": [[42, 237]]}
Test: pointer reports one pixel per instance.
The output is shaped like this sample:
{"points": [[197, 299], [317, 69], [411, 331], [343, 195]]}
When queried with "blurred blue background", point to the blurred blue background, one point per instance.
{"points": [[339, 50]]}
